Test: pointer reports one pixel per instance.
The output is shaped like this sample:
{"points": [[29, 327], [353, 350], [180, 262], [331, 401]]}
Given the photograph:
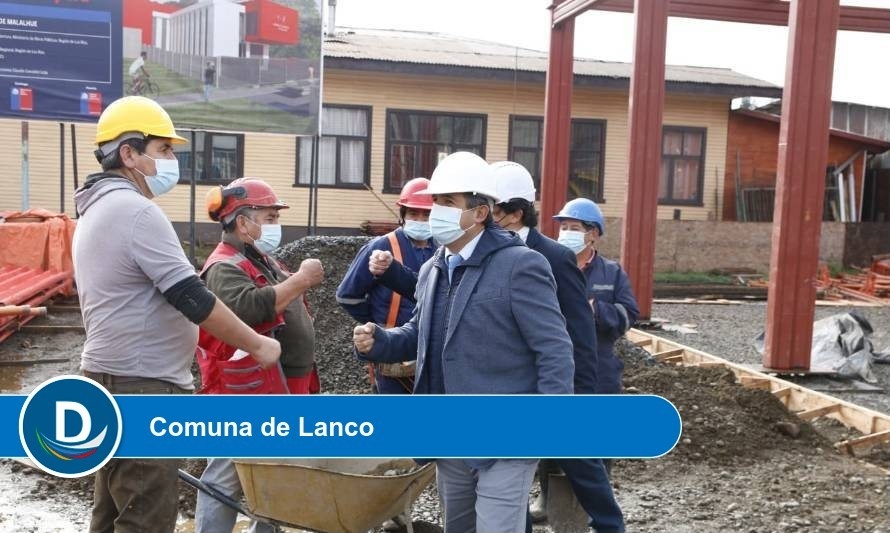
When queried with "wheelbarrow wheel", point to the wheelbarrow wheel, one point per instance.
{"points": [[420, 526]]}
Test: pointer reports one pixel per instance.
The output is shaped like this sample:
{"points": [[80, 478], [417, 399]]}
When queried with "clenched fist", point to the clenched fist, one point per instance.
{"points": [[363, 337], [312, 271], [379, 262]]}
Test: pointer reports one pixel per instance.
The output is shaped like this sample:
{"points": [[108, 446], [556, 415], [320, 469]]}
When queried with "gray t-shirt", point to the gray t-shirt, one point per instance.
{"points": [[126, 254]]}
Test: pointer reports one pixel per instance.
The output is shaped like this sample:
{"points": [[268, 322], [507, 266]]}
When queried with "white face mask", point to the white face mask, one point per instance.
{"points": [[417, 230], [573, 240], [445, 224], [270, 237], [165, 178]]}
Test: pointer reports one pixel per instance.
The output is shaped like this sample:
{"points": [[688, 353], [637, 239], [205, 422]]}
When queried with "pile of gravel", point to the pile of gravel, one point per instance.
{"points": [[340, 372]]}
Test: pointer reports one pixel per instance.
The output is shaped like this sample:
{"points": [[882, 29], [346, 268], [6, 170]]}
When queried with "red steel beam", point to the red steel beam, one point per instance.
{"points": [[800, 184], [645, 110], [769, 12], [557, 124]]}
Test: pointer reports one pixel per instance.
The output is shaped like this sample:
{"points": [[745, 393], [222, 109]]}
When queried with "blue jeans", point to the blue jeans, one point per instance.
{"points": [[213, 516]]}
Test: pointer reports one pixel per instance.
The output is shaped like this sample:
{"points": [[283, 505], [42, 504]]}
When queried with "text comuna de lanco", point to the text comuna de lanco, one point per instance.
{"points": [[160, 427]]}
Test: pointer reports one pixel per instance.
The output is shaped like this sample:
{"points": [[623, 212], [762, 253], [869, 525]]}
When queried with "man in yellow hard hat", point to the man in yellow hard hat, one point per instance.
{"points": [[141, 301]]}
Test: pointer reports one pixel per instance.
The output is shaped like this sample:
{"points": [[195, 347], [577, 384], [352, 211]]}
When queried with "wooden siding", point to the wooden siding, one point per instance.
{"points": [[272, 157]]}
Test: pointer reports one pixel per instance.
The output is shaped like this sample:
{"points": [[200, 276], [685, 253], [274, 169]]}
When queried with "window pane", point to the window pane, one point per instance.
{"points": [[435, 128], [584, 175], [352, 161], [586, 135], [467, 130], [327, 161], [403, 127], [430, 155], [401, 164], [663, 180], [692, 143], [184, 155], [672, 143], [526, 133], [305, 160], [529, 159], [685, 179], [344, 121]]}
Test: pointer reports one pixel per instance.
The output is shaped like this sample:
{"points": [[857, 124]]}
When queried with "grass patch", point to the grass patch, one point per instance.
{"points": [[169, 82], [697, 278], [240, 114]]}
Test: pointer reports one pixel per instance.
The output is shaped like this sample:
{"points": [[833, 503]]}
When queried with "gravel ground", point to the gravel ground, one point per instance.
{"points": [[728, 331], [743, 464]]}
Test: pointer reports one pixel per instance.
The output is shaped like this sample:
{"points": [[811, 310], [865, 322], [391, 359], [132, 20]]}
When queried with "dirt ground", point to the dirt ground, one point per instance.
{"points": [[743, 463]]}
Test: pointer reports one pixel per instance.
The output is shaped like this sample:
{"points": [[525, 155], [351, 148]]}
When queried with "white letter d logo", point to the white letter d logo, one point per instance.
{"points": [[87, 422]]}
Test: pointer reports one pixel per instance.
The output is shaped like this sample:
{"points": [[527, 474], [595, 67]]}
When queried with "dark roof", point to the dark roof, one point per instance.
{"points": [[436, 54]]}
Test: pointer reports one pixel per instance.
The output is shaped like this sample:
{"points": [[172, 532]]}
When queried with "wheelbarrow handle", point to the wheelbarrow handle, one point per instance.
{"points": [[221, 497]]}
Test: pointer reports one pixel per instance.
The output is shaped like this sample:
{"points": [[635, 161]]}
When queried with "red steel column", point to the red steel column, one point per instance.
{"points": [[645, 110], [800, 185], [557, 123]]}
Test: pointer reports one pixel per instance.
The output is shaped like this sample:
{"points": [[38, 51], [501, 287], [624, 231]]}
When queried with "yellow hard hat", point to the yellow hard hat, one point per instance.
{"points": [[135, 114]]}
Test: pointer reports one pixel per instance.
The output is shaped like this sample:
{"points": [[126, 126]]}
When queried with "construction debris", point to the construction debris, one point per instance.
{"points": [[868, 285]]}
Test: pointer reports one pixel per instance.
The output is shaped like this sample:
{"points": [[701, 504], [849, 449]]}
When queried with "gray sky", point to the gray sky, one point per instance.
{"points": [[861, 73]]}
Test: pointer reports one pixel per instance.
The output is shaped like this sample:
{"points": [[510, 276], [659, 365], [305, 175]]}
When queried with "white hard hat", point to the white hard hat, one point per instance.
{"points": [[513, 181], [463, 172]]}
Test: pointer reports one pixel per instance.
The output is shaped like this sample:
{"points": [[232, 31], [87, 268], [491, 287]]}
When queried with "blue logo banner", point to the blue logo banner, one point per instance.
{"points": [[452, 426]]}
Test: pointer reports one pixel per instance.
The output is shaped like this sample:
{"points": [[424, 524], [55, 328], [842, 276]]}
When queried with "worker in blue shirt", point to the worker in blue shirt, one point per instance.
{"points": [[612, 300], [363, 295]]}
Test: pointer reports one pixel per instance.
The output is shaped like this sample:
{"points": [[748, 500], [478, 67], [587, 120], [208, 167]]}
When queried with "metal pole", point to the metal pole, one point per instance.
{"points": [[192, 191], [315, 197], [26, 193], [61, 167], [311, 167], [74, 156]]}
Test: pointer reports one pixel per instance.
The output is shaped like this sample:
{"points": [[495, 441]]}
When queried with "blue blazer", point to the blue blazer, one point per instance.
{"points": [[571, 292], [505, 333]]}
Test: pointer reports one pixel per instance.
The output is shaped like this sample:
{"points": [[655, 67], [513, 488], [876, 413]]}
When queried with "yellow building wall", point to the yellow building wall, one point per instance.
{"points": [[272, 157]]}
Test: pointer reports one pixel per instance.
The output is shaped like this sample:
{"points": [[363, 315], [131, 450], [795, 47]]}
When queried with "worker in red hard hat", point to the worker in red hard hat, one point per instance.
{"points": [[391, 260], [260, 291]]}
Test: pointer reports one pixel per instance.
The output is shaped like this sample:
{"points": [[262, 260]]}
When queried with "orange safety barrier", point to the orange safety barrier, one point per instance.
{"points": [[37, 239], [35, 261]]}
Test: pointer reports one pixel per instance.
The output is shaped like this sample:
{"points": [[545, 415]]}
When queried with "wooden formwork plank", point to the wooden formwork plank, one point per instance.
{"points": [[755, 382], [816, 412], [669, 354], [863, 441], [798, 398]]}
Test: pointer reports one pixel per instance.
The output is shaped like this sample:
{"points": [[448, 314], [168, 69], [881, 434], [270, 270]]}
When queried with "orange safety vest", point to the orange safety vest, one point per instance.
{"points": [[221, 375], [394, 370]]}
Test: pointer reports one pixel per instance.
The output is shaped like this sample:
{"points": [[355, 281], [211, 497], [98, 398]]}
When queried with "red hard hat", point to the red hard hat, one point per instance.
{"points": [[242, 192], [410, 198]]}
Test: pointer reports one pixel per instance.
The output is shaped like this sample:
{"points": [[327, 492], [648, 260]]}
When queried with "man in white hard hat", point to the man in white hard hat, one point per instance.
{"points": [[505, 335], [515, 211]]}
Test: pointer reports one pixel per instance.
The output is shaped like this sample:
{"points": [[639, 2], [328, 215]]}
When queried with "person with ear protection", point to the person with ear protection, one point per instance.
{"points": [[612, 300], [379, 285], [515, 211], [141, 301], [261, 291], [487, 321]]}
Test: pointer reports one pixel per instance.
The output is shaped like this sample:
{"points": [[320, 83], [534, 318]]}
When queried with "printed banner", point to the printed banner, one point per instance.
{"points": [[69, 425]]}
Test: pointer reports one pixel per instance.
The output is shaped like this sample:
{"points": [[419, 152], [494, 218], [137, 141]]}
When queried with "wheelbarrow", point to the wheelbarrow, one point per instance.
{"points": [[325, 495]]}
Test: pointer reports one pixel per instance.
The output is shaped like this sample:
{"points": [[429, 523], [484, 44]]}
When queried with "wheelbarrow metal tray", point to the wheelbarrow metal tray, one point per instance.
{"points": [[331, 495]]}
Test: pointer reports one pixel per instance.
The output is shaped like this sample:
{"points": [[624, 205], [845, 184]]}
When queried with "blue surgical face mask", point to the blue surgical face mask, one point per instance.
{"points": [[165, 178], [269, 239], [445, 224], [417, 230], [573, 240]]}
